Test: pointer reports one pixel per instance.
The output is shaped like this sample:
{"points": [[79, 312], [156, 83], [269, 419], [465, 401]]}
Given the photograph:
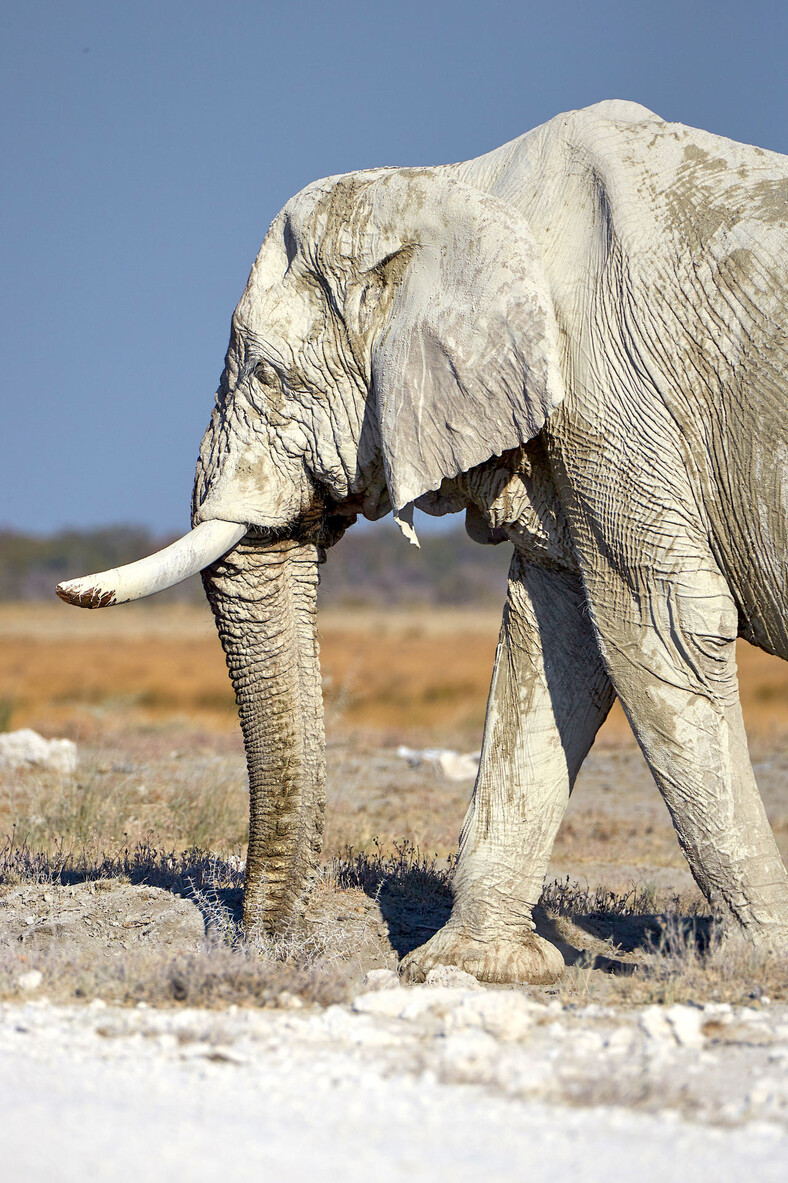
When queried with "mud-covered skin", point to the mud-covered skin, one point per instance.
{"points": [[578, 339]]}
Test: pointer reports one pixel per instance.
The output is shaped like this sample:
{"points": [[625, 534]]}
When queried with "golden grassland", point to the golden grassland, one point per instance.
{"points": [[419, 675], [399, 672], [145, 692]]}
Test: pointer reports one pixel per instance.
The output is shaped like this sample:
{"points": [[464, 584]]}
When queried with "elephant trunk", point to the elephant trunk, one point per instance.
{"points": [[263, 597]]}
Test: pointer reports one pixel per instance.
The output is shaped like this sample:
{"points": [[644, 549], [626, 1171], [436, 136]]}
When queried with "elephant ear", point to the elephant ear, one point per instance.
{"points": [[464, 359]]}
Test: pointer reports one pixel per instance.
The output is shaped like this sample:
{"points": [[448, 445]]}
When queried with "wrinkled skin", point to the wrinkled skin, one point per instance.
{"points": [[578, 340]]}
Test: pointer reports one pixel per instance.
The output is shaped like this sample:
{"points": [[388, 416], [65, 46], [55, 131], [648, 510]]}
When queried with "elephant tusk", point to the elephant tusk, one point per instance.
{"points": [[198, 549]]}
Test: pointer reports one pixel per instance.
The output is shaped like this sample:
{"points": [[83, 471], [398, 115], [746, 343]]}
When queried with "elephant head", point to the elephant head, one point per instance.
{"points": [[396, 330]]}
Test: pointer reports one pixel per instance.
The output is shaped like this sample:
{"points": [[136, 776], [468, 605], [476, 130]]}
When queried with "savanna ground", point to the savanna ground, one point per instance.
{"points": [[134, 1039], [160, 798]]}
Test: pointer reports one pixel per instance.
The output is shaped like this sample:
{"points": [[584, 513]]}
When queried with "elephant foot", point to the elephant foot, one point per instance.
{"points": [[763, 940], [531, 959]]}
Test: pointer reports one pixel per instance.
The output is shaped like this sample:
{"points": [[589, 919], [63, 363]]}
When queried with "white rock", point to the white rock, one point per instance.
{"points": [[381, 979], [28, 749], [686, 1023], [402, 1003], [655, 1025], [414, 1002], [30, 980], [674, 1024], [451, 975], [459, 765], [454, 765], [503, 1014]]}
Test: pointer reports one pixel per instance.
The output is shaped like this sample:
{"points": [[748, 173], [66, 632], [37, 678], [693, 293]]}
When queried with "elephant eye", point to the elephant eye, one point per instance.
{"points": [[266, 375]]}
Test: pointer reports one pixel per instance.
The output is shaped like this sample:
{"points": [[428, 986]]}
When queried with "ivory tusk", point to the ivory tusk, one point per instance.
{"points": [[198, 549]]}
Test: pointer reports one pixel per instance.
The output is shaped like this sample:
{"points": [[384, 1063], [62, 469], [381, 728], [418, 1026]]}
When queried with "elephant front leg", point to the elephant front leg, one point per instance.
{"points": [[550, 693]]}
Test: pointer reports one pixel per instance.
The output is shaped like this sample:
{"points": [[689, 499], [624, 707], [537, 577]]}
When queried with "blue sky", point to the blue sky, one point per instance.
{"points": [[146, 147]]}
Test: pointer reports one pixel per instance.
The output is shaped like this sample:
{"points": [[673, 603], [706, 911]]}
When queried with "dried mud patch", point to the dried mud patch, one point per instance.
{"points": [[101, 917]]}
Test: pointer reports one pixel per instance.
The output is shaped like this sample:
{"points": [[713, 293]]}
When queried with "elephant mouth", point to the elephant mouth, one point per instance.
{"points": [[322, 523], [322, 530]]}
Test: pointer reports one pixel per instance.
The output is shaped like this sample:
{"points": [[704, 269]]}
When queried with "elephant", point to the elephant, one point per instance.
{"points": [[580, 339]]}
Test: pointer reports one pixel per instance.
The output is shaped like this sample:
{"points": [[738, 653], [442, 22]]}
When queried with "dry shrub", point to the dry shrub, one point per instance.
{"points": [[182, 872], [405, 867], [231, 967], [687, 963], [566, 897], [215, 976]]}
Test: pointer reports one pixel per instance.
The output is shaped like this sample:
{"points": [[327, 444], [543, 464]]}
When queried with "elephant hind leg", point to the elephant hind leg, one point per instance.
{"points": [[670, 649]]}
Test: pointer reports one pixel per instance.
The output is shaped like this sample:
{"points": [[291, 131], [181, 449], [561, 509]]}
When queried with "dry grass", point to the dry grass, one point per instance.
{"points": [[400, 674], [626, 949], [646, 946], [184, 802], [161, 798], [217, 975]]}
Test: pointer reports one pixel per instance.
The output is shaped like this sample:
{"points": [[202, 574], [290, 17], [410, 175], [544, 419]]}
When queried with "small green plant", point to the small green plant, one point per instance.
{"points": [[7, 708]]}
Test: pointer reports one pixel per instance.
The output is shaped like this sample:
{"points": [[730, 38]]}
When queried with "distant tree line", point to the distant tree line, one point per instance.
{"points": [[31, 565], [370, 565], [376, 564]]}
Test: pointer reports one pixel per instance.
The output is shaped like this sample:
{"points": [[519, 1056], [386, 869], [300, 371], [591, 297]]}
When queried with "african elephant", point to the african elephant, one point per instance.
{"points": [[579, 339]]}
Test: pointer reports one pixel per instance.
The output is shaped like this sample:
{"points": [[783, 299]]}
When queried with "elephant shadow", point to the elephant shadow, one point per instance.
{"points": [[578, 936], [414, 905], [415, 901]]}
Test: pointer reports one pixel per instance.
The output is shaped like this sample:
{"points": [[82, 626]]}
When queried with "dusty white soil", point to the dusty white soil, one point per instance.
{"points": [[106, 916], [434, 1082]]}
